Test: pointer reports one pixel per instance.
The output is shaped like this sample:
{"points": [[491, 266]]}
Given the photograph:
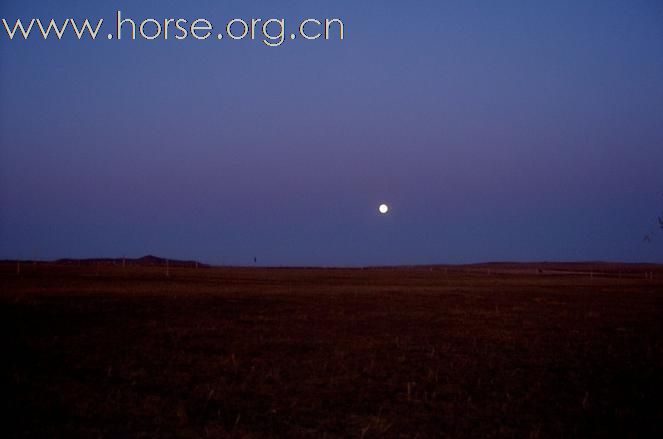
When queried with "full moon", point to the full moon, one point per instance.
{"points": [[383, 208]]}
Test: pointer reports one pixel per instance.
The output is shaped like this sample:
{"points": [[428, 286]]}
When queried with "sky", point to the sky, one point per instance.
{"points": [[496, 131]]}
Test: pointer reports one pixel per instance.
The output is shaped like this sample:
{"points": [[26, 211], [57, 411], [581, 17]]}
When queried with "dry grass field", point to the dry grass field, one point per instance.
{"points": [[508, 350]]}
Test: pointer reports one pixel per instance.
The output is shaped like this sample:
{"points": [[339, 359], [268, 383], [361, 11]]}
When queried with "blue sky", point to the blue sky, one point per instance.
{"points": [[513, 130]]}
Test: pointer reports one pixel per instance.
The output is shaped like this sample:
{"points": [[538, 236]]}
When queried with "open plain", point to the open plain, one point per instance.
{"points": [[104, 349]]}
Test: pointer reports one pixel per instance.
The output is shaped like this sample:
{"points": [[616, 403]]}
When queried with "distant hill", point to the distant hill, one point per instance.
{"points": [[145, 261]]}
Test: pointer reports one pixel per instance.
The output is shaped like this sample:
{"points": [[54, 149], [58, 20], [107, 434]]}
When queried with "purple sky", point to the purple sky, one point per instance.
{"points": [[511, 130]]}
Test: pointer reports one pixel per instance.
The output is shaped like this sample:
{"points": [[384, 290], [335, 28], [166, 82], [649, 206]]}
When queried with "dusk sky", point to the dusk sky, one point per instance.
{"points": [[495, 130]]}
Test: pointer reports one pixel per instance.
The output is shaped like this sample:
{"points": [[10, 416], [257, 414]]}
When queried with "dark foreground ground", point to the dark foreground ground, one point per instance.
{"points": [[493, 350]]}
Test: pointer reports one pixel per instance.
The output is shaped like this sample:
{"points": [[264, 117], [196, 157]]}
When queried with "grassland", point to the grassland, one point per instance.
{"points": [[509, 350]]}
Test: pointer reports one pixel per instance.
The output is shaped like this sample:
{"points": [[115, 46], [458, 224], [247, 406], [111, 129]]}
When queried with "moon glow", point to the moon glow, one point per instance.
{"points": [[383, 208]]}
